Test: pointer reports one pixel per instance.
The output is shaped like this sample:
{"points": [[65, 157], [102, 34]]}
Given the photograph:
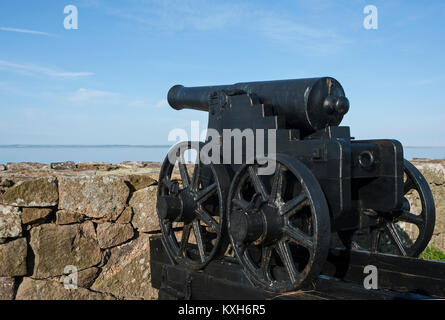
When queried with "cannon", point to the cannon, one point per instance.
{"points": [[325, 187], [306, 104]]}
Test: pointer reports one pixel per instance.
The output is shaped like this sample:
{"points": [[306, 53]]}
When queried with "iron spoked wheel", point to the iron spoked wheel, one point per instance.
{"points": [[407, 231], [279, 225], [191, 207]]}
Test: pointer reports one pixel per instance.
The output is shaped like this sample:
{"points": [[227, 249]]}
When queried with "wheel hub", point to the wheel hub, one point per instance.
{"points": [[189, 205], [260, 223], [179, 209]]}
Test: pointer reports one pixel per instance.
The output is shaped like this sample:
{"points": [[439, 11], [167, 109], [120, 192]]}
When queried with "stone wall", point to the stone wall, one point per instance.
{"points": [[96, 217], [434, 172]]}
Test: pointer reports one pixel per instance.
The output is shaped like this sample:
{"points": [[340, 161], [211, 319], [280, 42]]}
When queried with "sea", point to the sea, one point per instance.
{"points": [[118, 153]]}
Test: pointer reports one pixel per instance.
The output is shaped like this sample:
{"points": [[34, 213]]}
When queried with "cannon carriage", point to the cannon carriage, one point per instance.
{"points": [[295, 178]]}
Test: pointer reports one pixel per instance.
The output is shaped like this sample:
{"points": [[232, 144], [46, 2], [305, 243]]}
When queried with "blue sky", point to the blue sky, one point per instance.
{"points": [[106, 83]]}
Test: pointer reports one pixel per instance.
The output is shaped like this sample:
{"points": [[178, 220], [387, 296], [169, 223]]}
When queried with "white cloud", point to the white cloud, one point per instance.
{"points": [[136, 103], [145, 104], [161, 103], [83, 95], [33, 69], [273, 25], [318, 41], [27, 31]]}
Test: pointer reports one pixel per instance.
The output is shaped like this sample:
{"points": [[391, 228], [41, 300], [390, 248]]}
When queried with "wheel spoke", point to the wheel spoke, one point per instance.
{"points": [[265, 261], [409, 217], [172, 186], [277, 184], [408, 185], [298, 237], [166, 182], [196, 176], [243, 204], [206, 193], [257, 183], [293, 204], [185, 238], [184, 174], [241, 247], [286, 257], [199, 240], [394, 233], [375, 239], [168, 226], [244, 252], [207, 218]]}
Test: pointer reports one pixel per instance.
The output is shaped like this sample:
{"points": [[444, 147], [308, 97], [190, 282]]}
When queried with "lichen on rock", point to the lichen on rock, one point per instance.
{"points": [[35, 215], [127, 273], [7, 288], [56, 247], [10, 222], [38, 192], [113, 234], [31, 289], [68, 217], [13, 258], [143, 202], [140, 181], [96, 197]]}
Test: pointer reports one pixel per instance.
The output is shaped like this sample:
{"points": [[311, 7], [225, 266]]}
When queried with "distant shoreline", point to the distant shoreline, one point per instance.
{"points": [[117, 153], [82, 146], [131, 146]]}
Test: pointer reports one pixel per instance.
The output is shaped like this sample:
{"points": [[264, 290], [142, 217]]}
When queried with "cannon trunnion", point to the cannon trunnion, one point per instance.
{"points": [[281, 180]]}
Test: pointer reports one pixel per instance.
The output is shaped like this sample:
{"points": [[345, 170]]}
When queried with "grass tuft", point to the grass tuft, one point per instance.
{"points": [[432, 253]]}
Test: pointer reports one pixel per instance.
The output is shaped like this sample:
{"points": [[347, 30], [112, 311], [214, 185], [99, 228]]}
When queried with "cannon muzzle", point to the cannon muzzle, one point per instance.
{"points": [[197, 98], [307, 104]]}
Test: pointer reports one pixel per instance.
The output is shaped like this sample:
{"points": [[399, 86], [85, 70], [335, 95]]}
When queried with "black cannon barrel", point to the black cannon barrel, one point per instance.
{"points": [[307, 104]]}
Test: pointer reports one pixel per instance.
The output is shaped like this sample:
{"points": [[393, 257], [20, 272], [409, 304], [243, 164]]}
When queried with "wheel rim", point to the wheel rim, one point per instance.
{"points": [[397, 225], [194, 235], [404, 232], [286, 239]]}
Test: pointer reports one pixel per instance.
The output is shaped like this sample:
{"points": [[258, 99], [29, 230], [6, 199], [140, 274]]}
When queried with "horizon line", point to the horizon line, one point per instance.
{"points": [[84, 145], [18, 145]]}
